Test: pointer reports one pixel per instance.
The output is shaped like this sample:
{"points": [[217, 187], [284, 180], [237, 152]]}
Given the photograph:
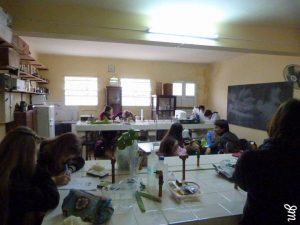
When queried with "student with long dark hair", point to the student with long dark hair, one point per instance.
{"points": [[172, 142], [25, 190], [60, 154], [271, 175]]}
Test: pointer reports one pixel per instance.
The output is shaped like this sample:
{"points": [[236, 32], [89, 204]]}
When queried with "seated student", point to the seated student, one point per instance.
{"points": [[109, 138], [125, 115], [215, 116], [198, 113], [201, 113], [60, 154], [172, 142], [26, 191], [201, 108], [107, 113], [211, 116], [228, 141], [271, 175]]}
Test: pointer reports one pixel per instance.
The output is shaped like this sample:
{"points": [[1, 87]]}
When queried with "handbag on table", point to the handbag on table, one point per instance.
{"points": [[89, 207]]}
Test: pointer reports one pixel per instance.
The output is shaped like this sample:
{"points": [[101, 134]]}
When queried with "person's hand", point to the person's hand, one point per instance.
{"points": [[208, 151], [236, 187], [62, 179]]}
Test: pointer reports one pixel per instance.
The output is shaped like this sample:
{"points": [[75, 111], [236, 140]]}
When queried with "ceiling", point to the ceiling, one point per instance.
{"points": [[116, 28], [263, 12], [125, 51]]}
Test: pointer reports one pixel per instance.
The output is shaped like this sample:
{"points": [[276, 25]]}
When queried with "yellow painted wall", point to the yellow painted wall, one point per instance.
{"points": [[60, 66], [246, 69]]}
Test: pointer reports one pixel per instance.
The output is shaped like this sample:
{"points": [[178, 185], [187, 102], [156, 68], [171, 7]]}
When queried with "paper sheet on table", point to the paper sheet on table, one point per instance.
{"points": [[82, 183]]}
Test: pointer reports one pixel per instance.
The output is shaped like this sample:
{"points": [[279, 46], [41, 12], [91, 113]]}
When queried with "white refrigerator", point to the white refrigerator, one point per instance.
{"points": [[45, 120]]}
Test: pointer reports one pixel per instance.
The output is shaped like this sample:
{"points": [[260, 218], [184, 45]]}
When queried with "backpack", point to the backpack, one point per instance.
{"points": [[247, 145]]}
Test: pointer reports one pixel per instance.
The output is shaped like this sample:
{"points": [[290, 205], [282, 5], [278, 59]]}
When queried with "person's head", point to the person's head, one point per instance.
{"points": [[18, 152], [58, 151], [168, 146], [18, 149], [128, 115], [208, 113], [176, 131], [221, 127], [108, 109], [285, 123], [201, 107]]}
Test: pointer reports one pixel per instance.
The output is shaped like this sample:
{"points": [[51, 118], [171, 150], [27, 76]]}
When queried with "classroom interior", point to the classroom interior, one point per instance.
{"points": [[254, 51]]}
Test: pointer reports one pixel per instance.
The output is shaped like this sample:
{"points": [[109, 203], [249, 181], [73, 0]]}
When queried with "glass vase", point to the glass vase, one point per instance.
{"points": [[129, 159]]}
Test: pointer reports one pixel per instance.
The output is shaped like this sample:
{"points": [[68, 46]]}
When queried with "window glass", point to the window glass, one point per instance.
{"points": [[135, 92], [81, 90]]}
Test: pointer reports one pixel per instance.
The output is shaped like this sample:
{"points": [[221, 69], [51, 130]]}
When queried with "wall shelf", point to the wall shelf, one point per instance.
{"points": [[28, 59], [27, 92], [27, 76]]}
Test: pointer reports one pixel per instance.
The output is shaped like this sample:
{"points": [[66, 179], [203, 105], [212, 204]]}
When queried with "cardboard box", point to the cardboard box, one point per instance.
{"points": [[168, 89], [19, 44], [9, 58]]}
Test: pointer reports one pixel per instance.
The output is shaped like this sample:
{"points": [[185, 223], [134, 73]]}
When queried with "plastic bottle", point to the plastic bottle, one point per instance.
{"points": [[161, 165], [152, 183], [209, 138], [203, 142]]}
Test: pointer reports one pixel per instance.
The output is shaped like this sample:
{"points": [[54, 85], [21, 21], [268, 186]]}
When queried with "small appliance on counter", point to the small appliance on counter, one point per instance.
{"points": [[180, 114]]}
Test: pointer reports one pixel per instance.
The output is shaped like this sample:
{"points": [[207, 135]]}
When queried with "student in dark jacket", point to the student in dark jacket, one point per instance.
{"points": [[271, 175], [26, 191], [60, 154], [227, 141]]}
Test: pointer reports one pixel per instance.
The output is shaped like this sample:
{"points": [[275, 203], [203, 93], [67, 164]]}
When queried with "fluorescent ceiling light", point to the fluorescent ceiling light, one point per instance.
{"points": [[181, 40], [186, 20], [182, 32]]}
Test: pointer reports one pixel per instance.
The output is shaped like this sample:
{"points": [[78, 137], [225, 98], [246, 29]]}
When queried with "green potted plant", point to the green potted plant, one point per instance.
{"points": [[127, 155]]}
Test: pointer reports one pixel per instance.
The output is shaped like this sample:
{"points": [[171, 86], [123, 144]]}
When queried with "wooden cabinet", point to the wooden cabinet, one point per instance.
{"points": [[25, 119], [163, 106], [114, 98]]}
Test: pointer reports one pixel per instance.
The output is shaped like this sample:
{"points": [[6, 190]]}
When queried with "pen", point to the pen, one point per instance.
{"points": [[67, 171]]}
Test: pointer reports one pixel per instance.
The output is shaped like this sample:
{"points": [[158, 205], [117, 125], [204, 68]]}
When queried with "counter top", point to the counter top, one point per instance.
{"points": [[139, 125], [219, 202]]}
